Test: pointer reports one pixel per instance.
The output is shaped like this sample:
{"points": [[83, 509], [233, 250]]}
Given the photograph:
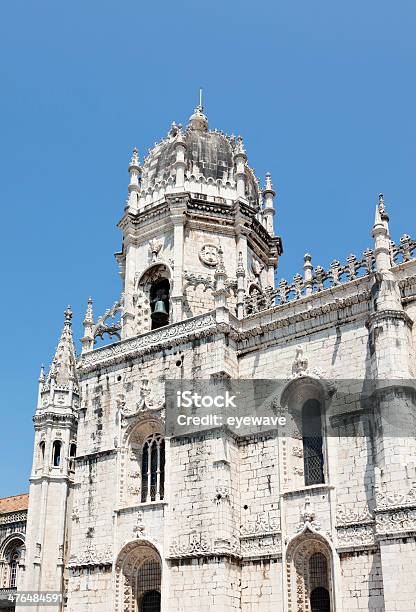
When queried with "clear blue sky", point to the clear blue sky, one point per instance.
{"points": [[322, 92]]}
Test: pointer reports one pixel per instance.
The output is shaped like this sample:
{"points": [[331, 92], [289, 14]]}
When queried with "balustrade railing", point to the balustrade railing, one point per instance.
{"points": [[319, 279]]}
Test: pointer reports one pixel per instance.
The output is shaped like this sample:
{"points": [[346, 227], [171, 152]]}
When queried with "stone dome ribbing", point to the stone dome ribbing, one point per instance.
{"points": [[209, 153]]}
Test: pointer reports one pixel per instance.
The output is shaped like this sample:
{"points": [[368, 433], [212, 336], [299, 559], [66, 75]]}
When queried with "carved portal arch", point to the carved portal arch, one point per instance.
{"points": [[138, 577], [309, 573]]}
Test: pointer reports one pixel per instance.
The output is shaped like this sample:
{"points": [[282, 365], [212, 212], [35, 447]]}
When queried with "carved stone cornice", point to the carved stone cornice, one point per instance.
{"points": [[42, 418], [96, 456], [153, 341], [392, 315]]}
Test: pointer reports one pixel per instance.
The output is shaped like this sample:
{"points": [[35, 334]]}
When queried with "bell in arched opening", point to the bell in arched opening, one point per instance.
{"points": [[159, 302]]}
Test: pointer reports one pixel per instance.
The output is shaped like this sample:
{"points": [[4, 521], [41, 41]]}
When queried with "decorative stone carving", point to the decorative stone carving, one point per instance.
{"points": [[139, 527], [209, 255], [256, 268], [155, 246], [190, 545], [261, 545], [353, 516], [146, 399], [307, 517], [355, 535], [91, 556], [395, 500], [222, 494], [300, 364], [400, 521], [193, 280], [261, 524], [146, 342]]}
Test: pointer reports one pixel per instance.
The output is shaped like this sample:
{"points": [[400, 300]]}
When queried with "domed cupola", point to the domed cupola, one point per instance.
{"points": [[209, 164]]}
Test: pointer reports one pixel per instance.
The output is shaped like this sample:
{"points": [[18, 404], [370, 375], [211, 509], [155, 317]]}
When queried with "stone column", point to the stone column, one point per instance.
{"points": [[177, 211]]}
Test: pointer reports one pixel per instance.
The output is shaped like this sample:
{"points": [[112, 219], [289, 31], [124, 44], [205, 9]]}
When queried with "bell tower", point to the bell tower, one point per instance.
{"points": [[193, 197], [51, 481]]}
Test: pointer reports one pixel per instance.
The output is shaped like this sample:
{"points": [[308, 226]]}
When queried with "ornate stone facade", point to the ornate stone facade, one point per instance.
{"points": [[125, 518]]}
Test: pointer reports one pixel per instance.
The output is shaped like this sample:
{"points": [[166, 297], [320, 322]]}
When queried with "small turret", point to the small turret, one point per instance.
{"points": [[180, 163], [88, 339], [240, 159], [269, 211], [381, 237], [62, 372], [135, 174]]}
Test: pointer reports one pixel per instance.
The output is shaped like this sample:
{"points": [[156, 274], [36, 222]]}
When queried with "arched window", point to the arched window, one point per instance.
{"points": [[153, 468], [41, 451], [72, 455], [13, 570], [56, 453], [313, 458], [11, 564]]}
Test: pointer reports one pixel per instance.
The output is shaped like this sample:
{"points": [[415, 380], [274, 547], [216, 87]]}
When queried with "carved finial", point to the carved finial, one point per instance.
{"points": [[89, 316], [198, 121], [42, 374], [68, 315], [134, 162], [220, 268], [240, 265], [381, 202], [381, 216], [240, 149], [269, 186], [382, 208]]}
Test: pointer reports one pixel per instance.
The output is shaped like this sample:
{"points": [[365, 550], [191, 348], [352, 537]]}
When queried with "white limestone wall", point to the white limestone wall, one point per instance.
{"points": [[261, 586], [362, 582], [399, 569], [206, 585]]}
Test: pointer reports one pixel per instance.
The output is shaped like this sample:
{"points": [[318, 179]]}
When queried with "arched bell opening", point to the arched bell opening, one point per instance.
{"points": [[159, 302], [151, 300]]}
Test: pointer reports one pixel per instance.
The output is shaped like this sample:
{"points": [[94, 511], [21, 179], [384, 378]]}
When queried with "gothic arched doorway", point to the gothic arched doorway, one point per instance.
{"points": [[138, 578], [150, 602], [320, 600], [309, 574]]}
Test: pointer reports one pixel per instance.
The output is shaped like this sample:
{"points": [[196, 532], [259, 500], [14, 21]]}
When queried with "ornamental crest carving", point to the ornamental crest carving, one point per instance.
{"points": [[209, 255]]}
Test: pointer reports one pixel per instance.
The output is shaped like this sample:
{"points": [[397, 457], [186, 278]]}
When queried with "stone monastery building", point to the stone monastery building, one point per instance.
{"points": [[125, 518]]}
